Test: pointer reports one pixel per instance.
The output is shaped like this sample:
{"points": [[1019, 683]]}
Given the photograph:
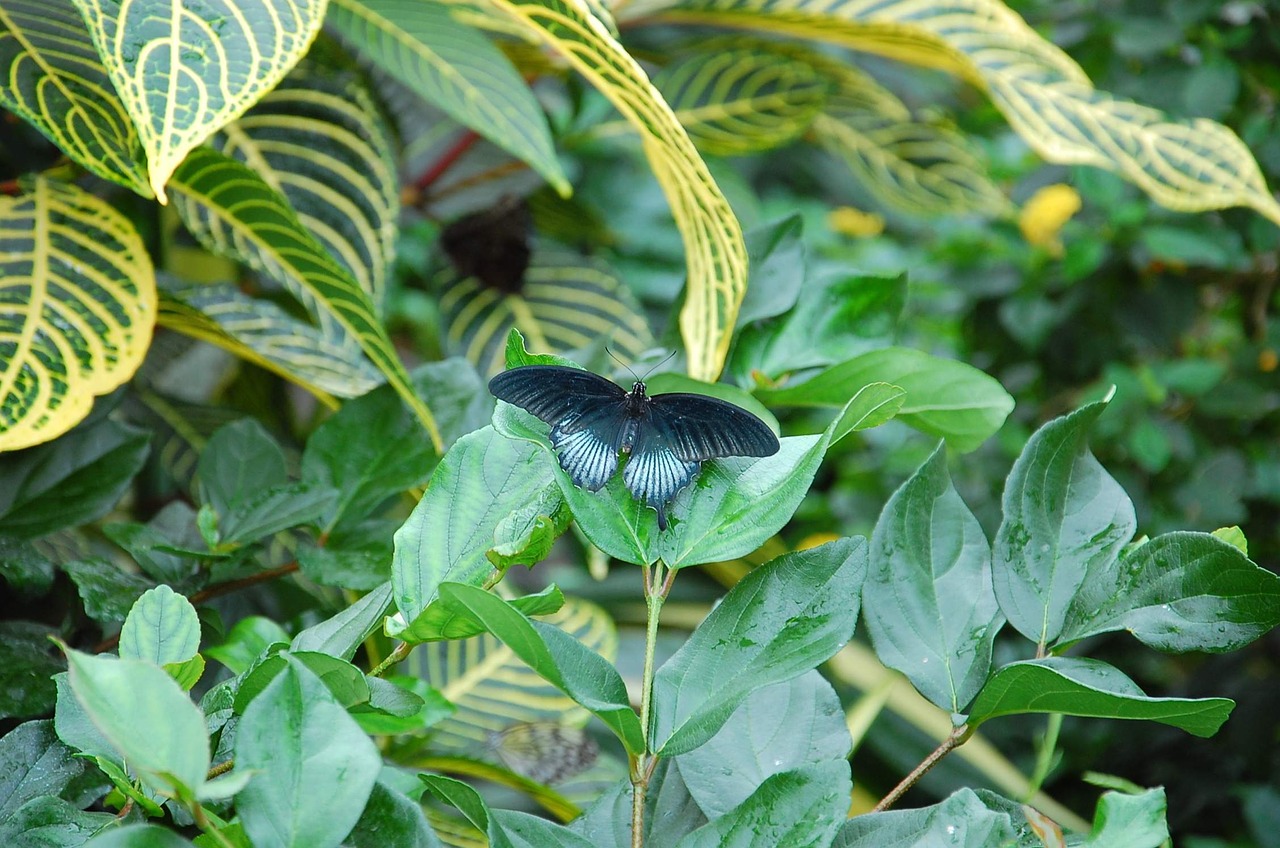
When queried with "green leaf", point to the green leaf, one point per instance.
{"points": [[1131, 821], [107, 592], [479, 482], [962, 821], [801, 807], [52, 823], [390, 818], [431, 707], [315, 768], [359, 560], [467, 801], [268, 511], [147, 718], [238, 461], [27, 660], [346, 683], [928, 601], [34, 762], [560, 659], [777, 272], [454, 67], [1065, 520], [730, 510], [1178, 592], [525, 831], [442, 621], [138, 836], [607, 822], [24, 569], [1086, 687], [71, 481], [341, 635], [162, 628], [780, 621], [156, 553], [75, 728], [775, 729], [246, 642], [945, 398]]}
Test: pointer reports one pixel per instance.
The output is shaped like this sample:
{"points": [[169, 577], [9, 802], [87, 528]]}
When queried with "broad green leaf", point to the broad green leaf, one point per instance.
{"points": [[526, 831], [1065, 520], [181, 79], [1189, 165], [272, 510], [33, 762], [803, 807], [777, 728], [314, 768], [320, 140], [962, 820], [73, 480], [238, 214], [479, 482], [341, 635], [346, 684], [714, 250], [928, 601], [52, 823], [168, 548], [565, 302], [736, 100], [730, 510], [162, 628], [27, 662], [391, 819], [467, 801], [261, 332], [138, 836], [944, 397], [484, 678], [1086, 687], [107, 591], [147, 718], [1178, 592], [778, 622], [246, 642], [358, 559], [607, 822], [1131, 821], [77, 306], [237, 462], [55, 80], [557, 657], [76, 730], [452, 66]]}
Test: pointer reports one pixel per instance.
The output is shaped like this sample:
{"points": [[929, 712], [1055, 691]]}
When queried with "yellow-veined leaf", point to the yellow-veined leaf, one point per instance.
{"points": [[183, 70], [714, 250], [261, 332], [567, 302], [235, 213], [53, 78], [740, 99], [492, 689], [1190, 165], [320, 140], [77, 307], [451, 65]]}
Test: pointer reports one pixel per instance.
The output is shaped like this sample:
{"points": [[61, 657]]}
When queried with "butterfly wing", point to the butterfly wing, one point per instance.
{"points": [[700, 428], [654, 473], [587, 414]]}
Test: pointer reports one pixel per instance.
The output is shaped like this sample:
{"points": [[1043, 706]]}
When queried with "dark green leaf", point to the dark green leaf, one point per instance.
{"points": [[1179, 592], [1065, 520], [391, 820], [168, 548], [239, 461], [803, 808], [26, 570], [162, 628], [776, 729], [361, 563], [341, 635], [1085, 687], [928, 601], [780, 621], [139, 836], [51, 823], [72, 480], [945, 398], [314, 767], [27, 661], [34, 762], [107, 592], [962, 821], [266, 511]]}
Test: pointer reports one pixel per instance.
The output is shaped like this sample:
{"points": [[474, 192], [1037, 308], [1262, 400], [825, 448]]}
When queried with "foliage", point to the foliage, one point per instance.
{"points": [[300, 549]]}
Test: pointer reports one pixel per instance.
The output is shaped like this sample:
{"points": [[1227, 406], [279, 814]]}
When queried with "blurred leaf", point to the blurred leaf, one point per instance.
{"points": [[239, 460], [138, 836], [777, 253]]}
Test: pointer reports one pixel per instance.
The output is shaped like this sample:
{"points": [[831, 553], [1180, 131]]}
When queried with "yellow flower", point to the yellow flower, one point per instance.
{"points": [[1045, 213], [854, 222]]}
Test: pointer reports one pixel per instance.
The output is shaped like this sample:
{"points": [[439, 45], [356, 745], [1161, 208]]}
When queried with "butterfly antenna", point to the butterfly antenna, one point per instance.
{"points": [[623, 364], [659, 365]]}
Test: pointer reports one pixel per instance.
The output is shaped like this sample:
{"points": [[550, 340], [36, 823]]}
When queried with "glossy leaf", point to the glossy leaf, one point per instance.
{"points": [[314, 769], [107, 591], [778, 622], [35, 763], [1086, 687], [1065, 520], [162, 628], [928, 601], [391, 818], [962, 820], [52, 823]]}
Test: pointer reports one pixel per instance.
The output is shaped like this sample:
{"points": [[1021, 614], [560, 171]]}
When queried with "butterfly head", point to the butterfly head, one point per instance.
{"points": [[637, 392]]}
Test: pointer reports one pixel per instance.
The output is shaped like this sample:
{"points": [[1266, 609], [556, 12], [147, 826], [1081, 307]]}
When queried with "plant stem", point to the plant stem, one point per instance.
{"points": [[642, 767], [202, 822], [397, 654], [955, 739], [1044, 755]]}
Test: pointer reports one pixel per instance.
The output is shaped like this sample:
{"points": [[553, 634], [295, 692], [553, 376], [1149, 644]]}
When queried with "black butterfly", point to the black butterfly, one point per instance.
{"points": [[668, 436]]}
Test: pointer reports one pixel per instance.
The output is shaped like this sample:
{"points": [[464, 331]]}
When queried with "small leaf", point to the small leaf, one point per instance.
{"points": [[962, 820], [780, 621], [1134, 821], [24, 569], [1085, 687], [346, 684], [442, 621], [928, 601], [162, 628], [314, 769]]}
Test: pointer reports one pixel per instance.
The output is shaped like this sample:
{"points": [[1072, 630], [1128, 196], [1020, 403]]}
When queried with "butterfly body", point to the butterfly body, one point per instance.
{"points": [[667, 436]]}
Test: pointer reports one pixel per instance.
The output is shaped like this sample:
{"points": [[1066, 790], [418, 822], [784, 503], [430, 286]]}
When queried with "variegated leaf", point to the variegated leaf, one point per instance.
{"points": [[451, 65], [183, 70], [567, 302], [54, 79], [77, 307]]}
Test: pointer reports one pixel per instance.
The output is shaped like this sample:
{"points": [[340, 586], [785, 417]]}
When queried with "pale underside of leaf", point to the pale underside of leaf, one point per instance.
{"points": [[77, 308]]}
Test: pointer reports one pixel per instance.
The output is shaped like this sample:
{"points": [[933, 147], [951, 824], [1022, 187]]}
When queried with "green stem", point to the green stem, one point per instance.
{"points": [[642, 767], [202, 822], [1048, 744], [397, 654]]}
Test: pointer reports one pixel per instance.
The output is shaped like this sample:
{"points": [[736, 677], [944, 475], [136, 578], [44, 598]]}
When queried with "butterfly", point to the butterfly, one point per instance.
{"points": [[668, 436], [544, 751]]}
